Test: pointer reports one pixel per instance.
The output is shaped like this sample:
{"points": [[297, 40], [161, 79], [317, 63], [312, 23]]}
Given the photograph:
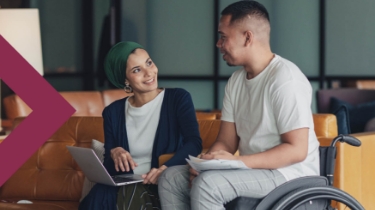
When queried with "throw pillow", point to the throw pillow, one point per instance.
{"points": [[342, 116], [359, 115], [98, 148]]}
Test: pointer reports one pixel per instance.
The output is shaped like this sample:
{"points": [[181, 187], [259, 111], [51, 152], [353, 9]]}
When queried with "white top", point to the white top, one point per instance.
{"points": [[141, 125], [276, 101]]}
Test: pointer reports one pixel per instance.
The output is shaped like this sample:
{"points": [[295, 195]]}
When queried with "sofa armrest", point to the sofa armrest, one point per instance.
{"points": [[325, 125], [7, 124], [354, 173], [164, 158], [14, 107], [361, 158], [205, 116]]}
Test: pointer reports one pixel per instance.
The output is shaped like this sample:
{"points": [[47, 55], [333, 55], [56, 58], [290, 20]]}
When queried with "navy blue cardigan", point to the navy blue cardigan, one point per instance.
{"points": [[177, 132]]}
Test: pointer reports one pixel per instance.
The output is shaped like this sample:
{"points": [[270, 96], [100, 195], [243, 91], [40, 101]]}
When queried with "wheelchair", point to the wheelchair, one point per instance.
{"points": [[306, 193]]}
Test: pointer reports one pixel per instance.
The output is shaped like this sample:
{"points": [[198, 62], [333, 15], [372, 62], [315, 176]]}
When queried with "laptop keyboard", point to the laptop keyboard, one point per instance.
{"points": [[118, 179]]}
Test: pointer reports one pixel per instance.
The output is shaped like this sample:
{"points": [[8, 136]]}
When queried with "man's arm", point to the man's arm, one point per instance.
{"points": [[227, 138], [293, 149]]}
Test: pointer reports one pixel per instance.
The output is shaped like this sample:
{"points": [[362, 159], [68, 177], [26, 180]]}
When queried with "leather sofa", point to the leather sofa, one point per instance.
{"points": [[52, 180], [86, 103]]}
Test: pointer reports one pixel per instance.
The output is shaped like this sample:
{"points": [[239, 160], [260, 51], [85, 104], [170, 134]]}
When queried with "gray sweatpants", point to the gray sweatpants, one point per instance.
{"points": [[213, 189]]}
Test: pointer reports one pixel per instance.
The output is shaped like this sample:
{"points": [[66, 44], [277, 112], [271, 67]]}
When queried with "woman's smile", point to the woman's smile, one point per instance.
{"points": [[150, 81]]}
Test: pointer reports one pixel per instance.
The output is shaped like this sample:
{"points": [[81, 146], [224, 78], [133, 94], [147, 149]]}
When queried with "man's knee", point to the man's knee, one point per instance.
{"points": [[204, 181], [173, 175], [173, 172]]}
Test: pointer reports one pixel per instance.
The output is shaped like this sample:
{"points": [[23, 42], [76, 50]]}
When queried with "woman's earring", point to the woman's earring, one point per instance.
{"points": [[127, 88]]}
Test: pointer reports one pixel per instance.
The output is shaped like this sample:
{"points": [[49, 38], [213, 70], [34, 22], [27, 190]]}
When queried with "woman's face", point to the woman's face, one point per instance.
{"points": [[141, 72]]}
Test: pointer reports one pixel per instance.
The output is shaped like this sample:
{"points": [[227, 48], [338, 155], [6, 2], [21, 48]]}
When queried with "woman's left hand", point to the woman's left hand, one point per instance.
{"points": [[152, 176]]}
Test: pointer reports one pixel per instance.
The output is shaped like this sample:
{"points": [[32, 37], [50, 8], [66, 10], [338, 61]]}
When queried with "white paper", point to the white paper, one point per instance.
{"points": [[215, 164]]}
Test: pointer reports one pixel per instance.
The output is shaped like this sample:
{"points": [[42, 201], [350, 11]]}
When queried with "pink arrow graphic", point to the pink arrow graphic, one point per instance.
{"points": [[50, 110]]}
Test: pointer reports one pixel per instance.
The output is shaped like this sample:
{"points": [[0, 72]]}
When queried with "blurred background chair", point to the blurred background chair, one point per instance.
{"points": [[354, 108]]}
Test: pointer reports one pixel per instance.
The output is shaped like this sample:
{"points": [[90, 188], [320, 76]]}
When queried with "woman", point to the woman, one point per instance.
{"points": [[140, 128]]}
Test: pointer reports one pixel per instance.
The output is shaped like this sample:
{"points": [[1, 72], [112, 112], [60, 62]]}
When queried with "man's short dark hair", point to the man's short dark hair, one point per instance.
{"points": [[242, 9]]}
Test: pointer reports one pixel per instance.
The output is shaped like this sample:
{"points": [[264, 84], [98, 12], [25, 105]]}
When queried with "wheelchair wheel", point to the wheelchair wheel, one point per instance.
{"points": [[303, 196]]}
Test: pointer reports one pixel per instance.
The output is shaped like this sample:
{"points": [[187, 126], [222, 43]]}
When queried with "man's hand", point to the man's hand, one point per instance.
{"points": [[123, 160], [221, 154], [193, 174], [153, 175]]}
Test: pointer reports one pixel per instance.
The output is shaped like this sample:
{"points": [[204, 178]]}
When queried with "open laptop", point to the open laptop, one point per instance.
{"points": [[94, 170]]}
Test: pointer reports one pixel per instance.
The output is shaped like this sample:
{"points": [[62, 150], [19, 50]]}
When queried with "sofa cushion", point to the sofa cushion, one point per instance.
{"points": [[359, 114], [51, 174], [98, 148], [343, 123]]}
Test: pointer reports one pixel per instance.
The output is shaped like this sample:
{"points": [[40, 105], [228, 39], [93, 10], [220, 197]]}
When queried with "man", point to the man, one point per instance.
{"points": [[266, 115]]}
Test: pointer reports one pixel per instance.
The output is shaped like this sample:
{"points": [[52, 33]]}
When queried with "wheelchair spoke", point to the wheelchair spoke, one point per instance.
{"points": [[304, 195]]}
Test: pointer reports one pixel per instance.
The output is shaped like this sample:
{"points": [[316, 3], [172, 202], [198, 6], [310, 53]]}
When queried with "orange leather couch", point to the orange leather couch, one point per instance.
{"points": [[86, 103], [52, 179]]}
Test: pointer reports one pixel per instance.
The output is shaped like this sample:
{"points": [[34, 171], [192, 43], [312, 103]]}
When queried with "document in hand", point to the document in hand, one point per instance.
{"points": [[215, 164]]}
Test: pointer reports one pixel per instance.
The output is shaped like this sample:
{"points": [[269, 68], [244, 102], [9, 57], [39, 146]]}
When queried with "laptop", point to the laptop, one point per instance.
{"points": [[94, 170]]}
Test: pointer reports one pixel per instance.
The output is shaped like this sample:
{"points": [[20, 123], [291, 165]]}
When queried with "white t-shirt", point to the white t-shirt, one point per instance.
{"points": [[276, 101], [141, 125]]}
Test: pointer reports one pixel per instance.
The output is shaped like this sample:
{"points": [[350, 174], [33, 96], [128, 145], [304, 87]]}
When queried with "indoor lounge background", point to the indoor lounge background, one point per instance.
{"points": [[331, 41]]}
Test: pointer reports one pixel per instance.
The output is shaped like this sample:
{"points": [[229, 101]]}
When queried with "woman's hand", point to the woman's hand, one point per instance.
{"points": [[123, 160], [153, 175]]}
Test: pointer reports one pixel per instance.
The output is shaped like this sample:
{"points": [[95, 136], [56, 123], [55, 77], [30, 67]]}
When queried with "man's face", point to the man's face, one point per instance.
{"points": [[231, 41]]}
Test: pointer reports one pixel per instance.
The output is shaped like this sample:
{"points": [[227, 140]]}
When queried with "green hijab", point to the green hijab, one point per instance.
{"points": [[115, 62]]}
